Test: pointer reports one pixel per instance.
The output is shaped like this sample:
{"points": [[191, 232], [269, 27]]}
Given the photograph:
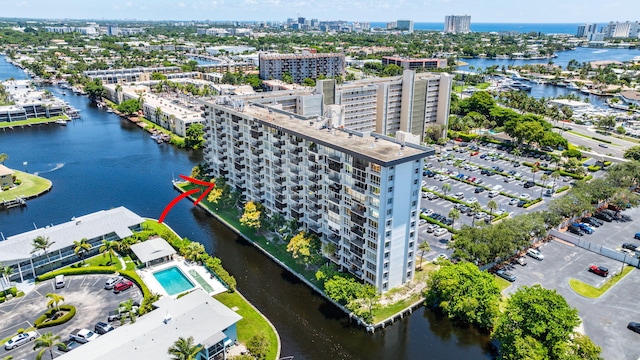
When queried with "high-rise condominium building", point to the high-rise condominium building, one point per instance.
{"points": [[586, 29], [457, 24], [409, 103], [357, 191], [405, 25], [625, 29], [300, 66]]}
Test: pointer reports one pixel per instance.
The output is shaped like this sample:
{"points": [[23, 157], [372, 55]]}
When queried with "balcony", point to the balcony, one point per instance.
{"points": [[238, 151], [279, 144], [315, 169], [236, 128], [297, 206], [296, 198], [279, 180], [219, 128], [296, 160], [297, 151], [258, 151], [256, 143], [278, 171], [315, 187], [357, 231], [280, 206], [313, 199], [334, 199], [294, 171], [315, 217], [255, 134], [238, 166], [359, 209]]}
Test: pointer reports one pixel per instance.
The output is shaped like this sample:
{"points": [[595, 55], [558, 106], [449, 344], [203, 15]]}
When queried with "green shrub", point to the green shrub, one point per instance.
{"points": [[572, 153], [2, 299], [78, 271], [593, 168], [601, 140], [532, 202], [5, 188], [42, 322], [559, 190], [20, 293], [606, 163]]}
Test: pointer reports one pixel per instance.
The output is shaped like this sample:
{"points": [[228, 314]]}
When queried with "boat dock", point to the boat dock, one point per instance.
{"points": [[18, 201]]}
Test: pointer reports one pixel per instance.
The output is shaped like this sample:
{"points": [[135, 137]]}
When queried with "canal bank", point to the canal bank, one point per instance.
{"points": [[102, 161]]}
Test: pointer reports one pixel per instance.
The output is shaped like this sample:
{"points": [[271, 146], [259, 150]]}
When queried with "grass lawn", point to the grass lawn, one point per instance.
{"points": [[252, 322], [39, 120], [589, 291], [502, 283], [31, 185]]}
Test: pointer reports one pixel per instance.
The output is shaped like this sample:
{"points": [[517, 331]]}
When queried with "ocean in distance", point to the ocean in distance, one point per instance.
{"points": [[545, 28]]}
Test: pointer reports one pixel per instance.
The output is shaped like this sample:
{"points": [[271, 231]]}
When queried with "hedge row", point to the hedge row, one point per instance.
{"points": [[77, 271], [593, 168], [601, 140], [41, 322], [559, 190], [561, 172], [532, 202]]}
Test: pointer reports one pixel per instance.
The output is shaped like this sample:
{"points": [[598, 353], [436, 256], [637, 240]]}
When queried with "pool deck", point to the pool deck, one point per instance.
{"points": [[205, 281]]}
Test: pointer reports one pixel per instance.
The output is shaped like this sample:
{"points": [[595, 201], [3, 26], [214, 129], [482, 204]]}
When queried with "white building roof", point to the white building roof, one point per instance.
{"points": [[152, 249], [195, 314], [118, 220], [5, 170]]}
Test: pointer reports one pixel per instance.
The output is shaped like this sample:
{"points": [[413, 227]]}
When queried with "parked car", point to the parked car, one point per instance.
{"points": [[603, 216], [522, 261], [548, 193], [427, 212], [422, 222], [575, 230], [513, 201], [585, 228], [509, 179], [103, 328], [59, 281], [440, 232], [534, 253], [592, 221], [459, 195], [83, 335], [529, 184], [478, 190], [433, 227], [20, 339], [112, 282], [432, 196], [506, 275], [599, 270], [629, 246], [634, 326], [472, 200], [637, 236], [603, 145], [68, 345], [525, 196], [494, 193], [122, 286]]}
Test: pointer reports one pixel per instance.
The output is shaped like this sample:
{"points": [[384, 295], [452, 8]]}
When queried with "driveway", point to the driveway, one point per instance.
{"points": [[86, 292]]}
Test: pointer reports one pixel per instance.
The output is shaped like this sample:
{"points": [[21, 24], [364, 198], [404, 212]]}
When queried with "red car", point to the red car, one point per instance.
{"points": [[599, 270], [474, 153], [122, 286]]}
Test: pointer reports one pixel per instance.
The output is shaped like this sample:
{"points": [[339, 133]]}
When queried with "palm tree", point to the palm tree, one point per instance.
{"points": [[55, 300], [555, 175], [445, 188], [492, 206], [454, 215], [81, 248], [184, 349], [46, 342], [534, 170], [476, 207], [516, 154], [6, 272], [127, 307], [109, 247], [424, 247], [194, 251], [41, 243]]}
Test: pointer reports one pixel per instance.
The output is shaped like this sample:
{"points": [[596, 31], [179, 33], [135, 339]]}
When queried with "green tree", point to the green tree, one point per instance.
{"points": [[308, 82], [454, 214], [633, 153], [492, 206], [129, 107], [158, 76], [3, 157], [127, 308], [537, 313], [446, 187], [194, 134], [258, 346], [54, 301], [109, 247], [6, 272], [476, 207], [465, 293], [80, 248], [342, 289], [41, 243], [184, 349], [95, 90], [46, 341], [370, 295], [424, 247], [194, 251]]}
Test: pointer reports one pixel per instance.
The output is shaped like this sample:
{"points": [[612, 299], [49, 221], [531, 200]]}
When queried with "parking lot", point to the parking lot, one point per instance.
{"points": [[462, 161], [86, 292]]}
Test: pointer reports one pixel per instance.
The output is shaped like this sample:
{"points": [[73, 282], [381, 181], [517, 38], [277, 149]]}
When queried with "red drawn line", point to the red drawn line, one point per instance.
{"points": [[209, 186], [174, 202]]}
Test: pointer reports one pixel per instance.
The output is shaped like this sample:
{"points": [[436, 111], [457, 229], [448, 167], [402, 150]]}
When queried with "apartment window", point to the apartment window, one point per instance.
{"points": [[413, 224], [387, 245], [390, 189], [391, 178], [389, 223], [414, 203], [412, 235], [415, 171], [408, 274], [386, 255], [385, 275], [388, 234], [385, 286], [386, 265], [415, 182], [410, 247], [413, 214], [390, 201], [389, 211]]}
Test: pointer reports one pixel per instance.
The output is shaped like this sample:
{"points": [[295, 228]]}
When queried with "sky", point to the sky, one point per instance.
{"points": [[481, 11]]}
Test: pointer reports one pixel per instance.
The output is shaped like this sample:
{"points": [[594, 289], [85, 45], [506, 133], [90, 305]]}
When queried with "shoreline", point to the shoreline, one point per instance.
{"points": [[24, 194]]}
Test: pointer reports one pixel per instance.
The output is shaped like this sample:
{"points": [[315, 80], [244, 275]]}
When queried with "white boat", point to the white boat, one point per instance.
{"points": [[572, 86], [61, 122], [109, 110]]}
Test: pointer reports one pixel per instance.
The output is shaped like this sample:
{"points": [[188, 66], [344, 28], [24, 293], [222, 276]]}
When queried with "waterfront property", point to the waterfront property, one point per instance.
{"points": [[6, 177], [211, 324], [18, 253], [28, 102], [413, 63], [354, 190]]}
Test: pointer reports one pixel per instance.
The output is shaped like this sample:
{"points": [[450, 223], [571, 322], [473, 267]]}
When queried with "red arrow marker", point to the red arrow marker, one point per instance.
{"points": [[184, 195]]}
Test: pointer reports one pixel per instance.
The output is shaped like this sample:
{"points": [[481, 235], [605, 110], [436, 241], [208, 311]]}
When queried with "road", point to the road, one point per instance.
{"points": [[615, 149]]}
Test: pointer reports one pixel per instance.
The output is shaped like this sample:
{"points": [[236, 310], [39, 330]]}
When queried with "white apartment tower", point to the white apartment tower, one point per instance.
{"points": [[357, 191], [409, 103], [457, 24]]}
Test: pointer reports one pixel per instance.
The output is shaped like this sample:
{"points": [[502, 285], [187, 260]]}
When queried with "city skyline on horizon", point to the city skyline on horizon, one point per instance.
{"points": [[500, 11]]}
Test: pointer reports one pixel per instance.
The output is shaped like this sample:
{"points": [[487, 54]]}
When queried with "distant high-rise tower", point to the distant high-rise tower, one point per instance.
{"points": [[405, 25], [457, 24], [586, 29]]}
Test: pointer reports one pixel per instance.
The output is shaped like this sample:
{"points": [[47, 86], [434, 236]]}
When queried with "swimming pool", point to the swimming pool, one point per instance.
{"points": [[173, 280]]}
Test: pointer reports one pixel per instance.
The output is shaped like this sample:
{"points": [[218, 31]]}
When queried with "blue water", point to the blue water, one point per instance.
{"points": [[567, 28], [173, 281], [9, 71]]}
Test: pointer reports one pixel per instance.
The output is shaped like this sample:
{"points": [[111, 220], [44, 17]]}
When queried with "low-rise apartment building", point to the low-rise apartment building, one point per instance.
{"points": [[29, 102], [301, 66], [358, 191]]}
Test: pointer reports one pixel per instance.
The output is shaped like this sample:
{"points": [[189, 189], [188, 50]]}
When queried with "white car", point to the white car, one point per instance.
{"points": [[525, 196], [499, 212], [494, 193], [473, 168], [427, 212], [440, 232], [424, 195], [112, 282], [433, 188], [472, 200], [454, 174], [459, 195], [20, 339], [424, 183], [433, 227], [422, 222], [535, 254], [509, 179], [513, 201], [517, 174], [480, 215]]}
